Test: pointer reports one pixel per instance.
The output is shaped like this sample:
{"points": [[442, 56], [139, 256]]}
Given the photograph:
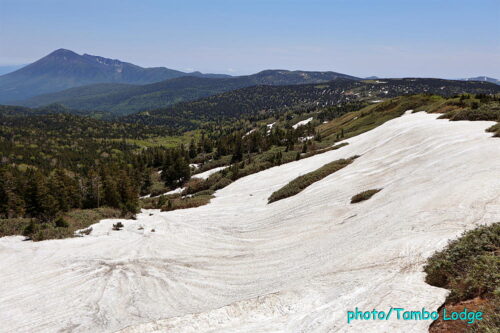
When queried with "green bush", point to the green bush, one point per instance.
{"points": [[60, 222], [223, 182], [14, 226], [475, 114], [469, 266], [494, 129], [118, 226], [205, 192], [301, 182], [62, 227], [184, 203], [365, 195]]}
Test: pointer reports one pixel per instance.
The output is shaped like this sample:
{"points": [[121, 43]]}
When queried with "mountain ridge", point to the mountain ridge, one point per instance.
{"points": [[124, 99], [63, 69], [483, 78]]}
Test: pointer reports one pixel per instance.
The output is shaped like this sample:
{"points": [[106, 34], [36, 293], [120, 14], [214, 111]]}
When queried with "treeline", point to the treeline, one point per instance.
{"points": [[41, 196], [45, 194], [53, 163]]}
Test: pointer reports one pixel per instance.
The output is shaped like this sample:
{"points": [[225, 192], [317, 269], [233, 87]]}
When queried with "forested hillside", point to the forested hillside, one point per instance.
{"points": [[53, 163], [124, 99], [263, 101]]}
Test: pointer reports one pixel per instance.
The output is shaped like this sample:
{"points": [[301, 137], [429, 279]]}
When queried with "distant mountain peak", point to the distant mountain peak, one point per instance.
{"points": [[63, 69], [300, 76], [483, 78], [62, 53]]}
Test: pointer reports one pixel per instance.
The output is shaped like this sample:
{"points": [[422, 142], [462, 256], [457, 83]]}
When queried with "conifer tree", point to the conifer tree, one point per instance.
{"points": [[11, 204]]}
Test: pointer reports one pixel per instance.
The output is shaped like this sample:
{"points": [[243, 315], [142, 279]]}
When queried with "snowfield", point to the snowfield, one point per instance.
{"points": [[296, 265], [206, 174], [302, 123], [174, 191]]}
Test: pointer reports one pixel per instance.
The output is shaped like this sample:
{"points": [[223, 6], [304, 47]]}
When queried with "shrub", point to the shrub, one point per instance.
{"points": [[320, 151], [196, 184], [223, 182], [13, 226], [205, 192], [475, 114], [365, 195], [301, 182], [29, 229], [184, 203], [469, 265], [494, 129], [159, 191], [60, 222], [118, 226]]}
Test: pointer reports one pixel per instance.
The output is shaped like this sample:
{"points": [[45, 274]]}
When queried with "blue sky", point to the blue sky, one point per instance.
{"points": [[385, 38]]}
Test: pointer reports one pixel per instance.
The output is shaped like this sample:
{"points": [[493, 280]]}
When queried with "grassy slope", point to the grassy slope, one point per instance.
{"points": [[473, 109], [355, 123]]}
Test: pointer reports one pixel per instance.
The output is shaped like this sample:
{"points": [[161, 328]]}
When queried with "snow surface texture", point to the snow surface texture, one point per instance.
{"points": [[296, 265]]}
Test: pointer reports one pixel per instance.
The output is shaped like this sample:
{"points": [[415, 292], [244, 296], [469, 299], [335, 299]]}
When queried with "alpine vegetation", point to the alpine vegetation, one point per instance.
{"points": [[365, 195], [301, 182], [469, 267]]}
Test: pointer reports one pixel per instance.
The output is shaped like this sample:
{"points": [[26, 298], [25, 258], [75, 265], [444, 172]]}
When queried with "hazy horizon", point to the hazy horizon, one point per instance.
{"points": [[445, 39]]}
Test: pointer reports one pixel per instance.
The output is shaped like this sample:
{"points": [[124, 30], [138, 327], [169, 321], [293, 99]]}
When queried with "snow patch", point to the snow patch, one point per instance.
{"points": [[249, 132], [302, 123], [303, 139], [206, 174]]}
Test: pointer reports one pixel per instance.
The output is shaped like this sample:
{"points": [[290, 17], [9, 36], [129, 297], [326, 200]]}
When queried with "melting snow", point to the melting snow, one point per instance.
{"points": [[206, 174], [177, 190], [302, 139], [239, 264], [302, 123], [249, 132]]}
